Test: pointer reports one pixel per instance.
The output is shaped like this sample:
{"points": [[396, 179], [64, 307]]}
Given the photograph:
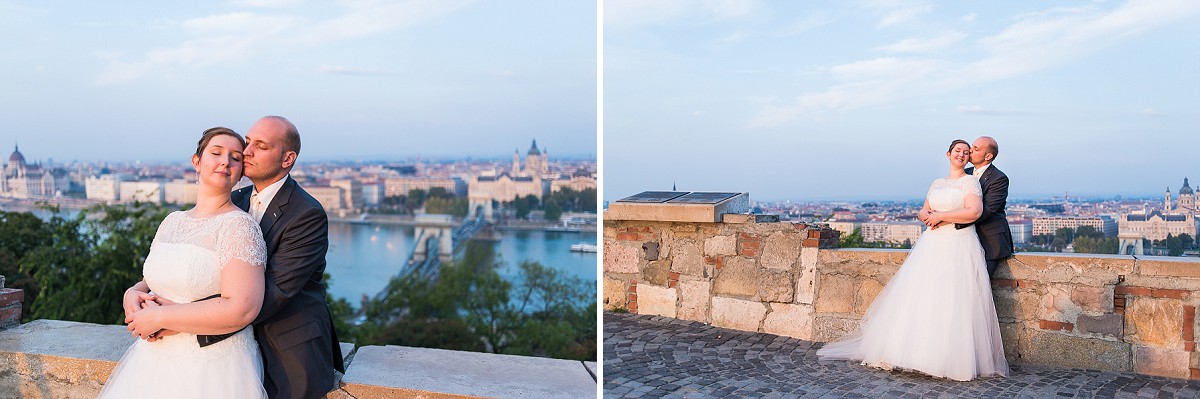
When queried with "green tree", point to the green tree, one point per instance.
{"points": [[852, 240], [469, 306], [414, 199], [1174, 245], [553, 210], [446, 206], [523, 207], [93, 258], [23, 233]]}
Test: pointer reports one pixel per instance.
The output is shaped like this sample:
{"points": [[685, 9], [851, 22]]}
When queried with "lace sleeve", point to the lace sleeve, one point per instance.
{"points": [[971, 186], [241, 238]]}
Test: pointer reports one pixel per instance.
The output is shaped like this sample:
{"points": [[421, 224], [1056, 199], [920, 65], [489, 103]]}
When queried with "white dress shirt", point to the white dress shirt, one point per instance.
{"points": [[259, 201]]}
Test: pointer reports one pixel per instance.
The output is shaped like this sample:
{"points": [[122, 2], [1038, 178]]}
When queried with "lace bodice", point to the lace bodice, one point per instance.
{"points": [[188, 254], [948, 195]]}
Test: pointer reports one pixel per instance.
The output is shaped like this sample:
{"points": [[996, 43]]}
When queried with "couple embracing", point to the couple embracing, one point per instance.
{"points": [[231, 304], [936, 315]]}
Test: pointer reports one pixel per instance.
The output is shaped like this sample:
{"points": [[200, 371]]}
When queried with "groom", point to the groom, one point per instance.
{"points": [[294, 328], [992, 225]]}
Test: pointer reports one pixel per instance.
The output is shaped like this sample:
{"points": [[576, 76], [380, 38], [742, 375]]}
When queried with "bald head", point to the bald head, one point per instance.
{"points": [[984, 151], [291, 136]]}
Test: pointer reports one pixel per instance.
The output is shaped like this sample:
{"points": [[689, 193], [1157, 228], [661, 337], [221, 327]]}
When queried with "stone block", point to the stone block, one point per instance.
{"points": [[1056, 305], [868, 289], [621, 258], [806, 282], [792, 320], [687, 258], [1154, 322], [720, 246], [615, 294], [694, 299], [59, 359], [657, 272], [738, 277], [656, 300], [1060, 350], [1109, 324], [836, 294], [1085, 269], [781, 251], [829, 328], [737, 314], [1161, 362], [405, 372], [1093, 299], [1010, 334], [776, 286], [1170, 267], [1008, 310]]}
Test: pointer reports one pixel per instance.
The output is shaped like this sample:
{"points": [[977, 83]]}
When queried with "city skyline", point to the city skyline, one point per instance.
{"points": [[839, 100], [373, 80]]}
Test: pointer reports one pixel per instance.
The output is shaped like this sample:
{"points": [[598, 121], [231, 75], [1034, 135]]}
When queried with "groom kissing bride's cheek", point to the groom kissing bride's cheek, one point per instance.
{"points": [[253, 258]]}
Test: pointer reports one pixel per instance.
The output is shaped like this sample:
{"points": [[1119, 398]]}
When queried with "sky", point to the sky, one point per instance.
{"points": [[386, 80], [828, 100]]}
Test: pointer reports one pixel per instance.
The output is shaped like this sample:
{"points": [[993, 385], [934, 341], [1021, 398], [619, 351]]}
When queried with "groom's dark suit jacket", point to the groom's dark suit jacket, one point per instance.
{"points": [[294, 328], [992, 224]]}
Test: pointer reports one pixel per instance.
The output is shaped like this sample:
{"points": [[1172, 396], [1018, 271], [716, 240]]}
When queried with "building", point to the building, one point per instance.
{"points": [[180, 191], [1051, 224], [352, 192], [372, 194], [22, 180], [846, 227], [892, 232], [400, 186], [1157, 225], [1022, 231], [505, 188], [332, 198], [537, 162], [103, 188], [577, 183], [143, 191]]}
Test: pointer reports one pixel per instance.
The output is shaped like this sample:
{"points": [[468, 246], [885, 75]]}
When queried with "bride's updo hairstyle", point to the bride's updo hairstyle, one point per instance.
{"points": [[214, 132], [952, 144]]}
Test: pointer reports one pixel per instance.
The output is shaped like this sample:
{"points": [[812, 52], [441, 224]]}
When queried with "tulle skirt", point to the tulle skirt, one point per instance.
{"points": [[177, 367], [936, 315]]}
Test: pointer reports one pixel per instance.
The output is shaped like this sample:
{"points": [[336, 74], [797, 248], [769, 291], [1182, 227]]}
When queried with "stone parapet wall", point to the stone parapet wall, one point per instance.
{"points": [[63, 359], [1104, 312]]}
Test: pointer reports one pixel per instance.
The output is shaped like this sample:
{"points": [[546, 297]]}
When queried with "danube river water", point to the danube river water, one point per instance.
{"points": [[363, 257]]}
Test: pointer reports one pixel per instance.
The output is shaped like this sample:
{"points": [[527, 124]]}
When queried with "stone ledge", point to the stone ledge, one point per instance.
{"points": [[397, 371], [63, 359]]}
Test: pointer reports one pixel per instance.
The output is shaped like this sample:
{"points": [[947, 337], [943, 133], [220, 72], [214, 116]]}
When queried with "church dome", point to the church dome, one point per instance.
{"points": [[1186, 189], [534, 150], [16, 158]]}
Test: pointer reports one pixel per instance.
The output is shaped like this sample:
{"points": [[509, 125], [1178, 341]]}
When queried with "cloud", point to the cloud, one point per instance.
{"points": [[979, 110], [636, 13], [1148, 112], [896, 12], [1034, 42], [736, 37], [924, 44], [969, 18], [241, 36], [345, 70], [264, 3], [808, 23]]}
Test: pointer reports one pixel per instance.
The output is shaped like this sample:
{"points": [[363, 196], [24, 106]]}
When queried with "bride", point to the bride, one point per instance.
{"points": [[214, 248], [936, 315]]}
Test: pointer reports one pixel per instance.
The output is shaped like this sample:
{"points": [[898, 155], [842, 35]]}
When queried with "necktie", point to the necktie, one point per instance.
{"points": [[256, 207]]}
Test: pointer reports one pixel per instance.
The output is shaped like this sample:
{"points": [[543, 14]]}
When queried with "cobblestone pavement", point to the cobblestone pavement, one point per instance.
{"points": [[653, 357]]}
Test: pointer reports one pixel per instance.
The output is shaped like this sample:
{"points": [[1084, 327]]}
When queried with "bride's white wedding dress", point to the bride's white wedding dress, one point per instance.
{"points": [[184, 265], [936, 315]]}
